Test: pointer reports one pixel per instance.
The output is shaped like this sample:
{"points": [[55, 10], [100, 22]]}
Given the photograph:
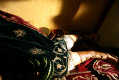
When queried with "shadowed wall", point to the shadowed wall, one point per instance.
{"points": [[109, 31], [70, 15]]}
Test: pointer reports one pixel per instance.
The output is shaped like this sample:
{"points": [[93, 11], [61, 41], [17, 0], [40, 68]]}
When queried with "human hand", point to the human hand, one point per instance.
{"points": [[81, 56]]}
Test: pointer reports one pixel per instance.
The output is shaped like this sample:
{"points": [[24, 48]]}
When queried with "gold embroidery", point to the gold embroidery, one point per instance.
{"points": [[13, 19], [114, 76], [62, 66], [64, 57], [63, 78], [19, 32], [76, 77], [35, 51], [59, 66], [73, 73], [60, 50], [86, 77], [104, 67], [93, 76]]}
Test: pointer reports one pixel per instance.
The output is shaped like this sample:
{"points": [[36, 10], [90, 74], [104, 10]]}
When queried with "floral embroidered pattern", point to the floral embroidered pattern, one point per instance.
{"points": [[82, 75], [35, 50], [86, 77], [19, 33], [106, 69], [63, 78], [59, 66], [60, 46], [61, 59]]}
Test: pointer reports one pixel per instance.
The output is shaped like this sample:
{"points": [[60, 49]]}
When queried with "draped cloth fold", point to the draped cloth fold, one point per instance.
{"points": [[25, 51]]}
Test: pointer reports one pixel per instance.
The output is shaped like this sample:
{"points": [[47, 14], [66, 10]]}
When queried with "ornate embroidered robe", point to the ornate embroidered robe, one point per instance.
{"points": [[25, 51]]}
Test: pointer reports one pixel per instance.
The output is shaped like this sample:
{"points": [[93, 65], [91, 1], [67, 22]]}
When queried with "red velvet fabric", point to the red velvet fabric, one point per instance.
{"points": [[94, 70]]}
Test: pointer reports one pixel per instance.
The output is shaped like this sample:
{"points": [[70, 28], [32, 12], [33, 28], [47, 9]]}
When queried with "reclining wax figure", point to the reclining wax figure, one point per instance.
{"points": [[26, 53]]}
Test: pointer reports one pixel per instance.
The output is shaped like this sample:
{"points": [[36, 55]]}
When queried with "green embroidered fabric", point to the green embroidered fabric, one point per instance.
{"points": [[24, 51]]}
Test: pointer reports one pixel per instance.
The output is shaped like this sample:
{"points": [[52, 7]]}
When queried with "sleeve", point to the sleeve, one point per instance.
{"points": [[28, 51]]}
